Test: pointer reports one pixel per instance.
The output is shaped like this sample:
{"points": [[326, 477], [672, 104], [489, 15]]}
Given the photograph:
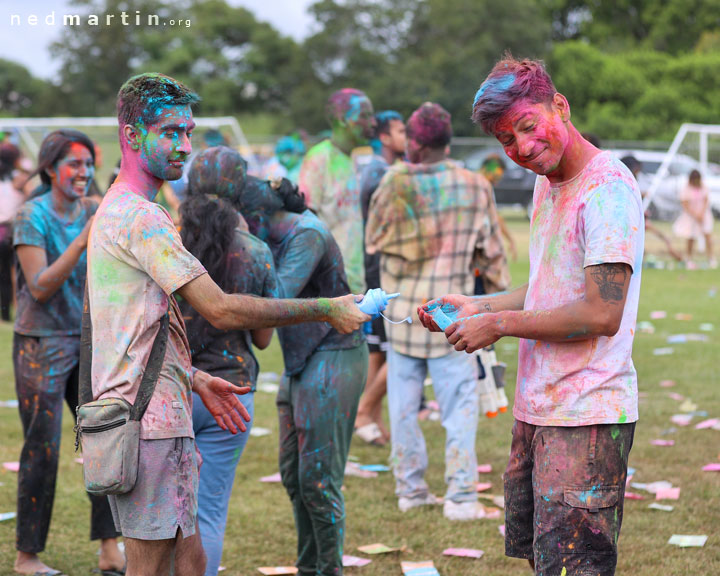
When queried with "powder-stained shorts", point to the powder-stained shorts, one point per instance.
{"points": [[164, 498], [564, 493]]}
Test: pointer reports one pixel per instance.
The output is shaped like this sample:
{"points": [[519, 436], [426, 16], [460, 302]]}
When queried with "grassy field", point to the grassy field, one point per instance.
{"points": [[260, 528]]}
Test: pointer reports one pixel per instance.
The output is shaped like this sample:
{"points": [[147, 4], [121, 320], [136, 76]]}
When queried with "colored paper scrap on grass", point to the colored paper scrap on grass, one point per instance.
{"points": [[268, 387], [652, 487], [492, 513], [483, 486], [463, 552], [12, 466], [667, 494], [277, 570], [688, 406], [426, 568], [484, 468], [375, 468], [501, 529], [663, 507], [354, 469], [259, 431], [645, 327], [712, 423], [633, 496], [667, 383], [712, 467], [658, 314], [499, 501], [272, 478], [78, 460], [349, 561], [706, 327], [376, 548], [686, 541], [663, 351], [675, 396], [662, 442], [681, 419], [9, 404], [683, 317], [7, 516]]}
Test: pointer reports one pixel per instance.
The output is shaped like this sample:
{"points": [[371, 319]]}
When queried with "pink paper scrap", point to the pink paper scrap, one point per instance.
{"points": [[667, 383], [484, 468], [463, 552], [483, 486], [12, 466], [349, 561], [277, 570], [713, 467], [667, 494], [658, 314], [682, 419], [675, 396], [633, 496], [712, 423], [78, 460], [272, 478], [501, 529], [663, 442]]}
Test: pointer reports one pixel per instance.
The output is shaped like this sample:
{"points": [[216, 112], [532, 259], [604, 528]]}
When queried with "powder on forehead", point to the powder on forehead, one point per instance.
{"points": [[345, 104]]}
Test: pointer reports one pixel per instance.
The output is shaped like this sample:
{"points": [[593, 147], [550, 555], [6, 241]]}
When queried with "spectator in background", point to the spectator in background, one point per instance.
{"points": [[432, 222], [635, 166], [329, 177], [50, 238], [696, 220], [390, 133], [493, 168], [10, 201], [214, 232], [289, 152]]}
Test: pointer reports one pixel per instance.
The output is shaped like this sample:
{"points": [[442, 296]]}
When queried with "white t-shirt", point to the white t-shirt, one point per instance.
{"points": [[136, 259], [595, 218]]}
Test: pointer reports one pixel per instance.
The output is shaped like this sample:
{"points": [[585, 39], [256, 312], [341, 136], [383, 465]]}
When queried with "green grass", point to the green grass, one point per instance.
{"points": [[260, 529]]}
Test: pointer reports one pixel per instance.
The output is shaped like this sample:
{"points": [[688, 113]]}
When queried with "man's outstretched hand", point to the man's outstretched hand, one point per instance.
{"points": [[474, 332], [220, 398], [344, 314], [465, 305]]}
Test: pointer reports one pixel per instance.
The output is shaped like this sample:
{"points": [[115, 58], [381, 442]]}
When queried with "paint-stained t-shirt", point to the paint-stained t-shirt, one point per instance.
{"points": [[595, 218], [37, 224], [433, 225], [329, 182], [228, 353], [136, 260], [309, 265]]}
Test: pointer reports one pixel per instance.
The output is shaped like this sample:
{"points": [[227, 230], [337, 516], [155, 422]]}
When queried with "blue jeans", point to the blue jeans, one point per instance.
{"points": [[454, 378], [220, 451]]}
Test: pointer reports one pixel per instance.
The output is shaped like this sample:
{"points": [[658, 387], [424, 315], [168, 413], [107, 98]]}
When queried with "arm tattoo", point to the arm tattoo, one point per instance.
{"points": [[610, 279]]}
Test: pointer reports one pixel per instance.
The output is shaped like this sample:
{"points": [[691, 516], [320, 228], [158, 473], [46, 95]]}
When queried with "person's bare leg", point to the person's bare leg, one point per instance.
{"points": [[111, 558], [190, 557], [690, 244], [149, 557], [379, 391], [709, 247], [29, 563], [366, 407]]}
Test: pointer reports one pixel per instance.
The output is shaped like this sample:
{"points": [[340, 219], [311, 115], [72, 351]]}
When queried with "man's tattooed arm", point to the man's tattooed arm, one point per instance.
{"points": [[610, 280]]}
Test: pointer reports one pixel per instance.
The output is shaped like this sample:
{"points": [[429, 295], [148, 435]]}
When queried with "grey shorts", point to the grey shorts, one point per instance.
{"points": [[164, 498]]}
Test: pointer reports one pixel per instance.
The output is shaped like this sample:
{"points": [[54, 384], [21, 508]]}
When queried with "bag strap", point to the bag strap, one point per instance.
{"points": [[152, 369]]}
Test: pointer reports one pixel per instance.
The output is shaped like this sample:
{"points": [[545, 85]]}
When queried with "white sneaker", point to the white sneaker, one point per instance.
{"points": [[406, 504], [463, 511]]}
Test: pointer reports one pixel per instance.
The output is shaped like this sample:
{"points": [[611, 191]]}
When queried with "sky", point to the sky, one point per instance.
{"points": [[28, 44]]}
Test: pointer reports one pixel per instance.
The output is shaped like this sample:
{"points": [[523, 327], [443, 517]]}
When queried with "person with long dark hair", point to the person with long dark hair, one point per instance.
{"points": [[10, 201], [214, 232], [50, 237], [325, 371]]}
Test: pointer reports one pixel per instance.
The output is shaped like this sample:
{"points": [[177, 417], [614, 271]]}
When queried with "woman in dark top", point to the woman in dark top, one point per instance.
{"points": [[50, 237], [216, 234], [324, 372]]}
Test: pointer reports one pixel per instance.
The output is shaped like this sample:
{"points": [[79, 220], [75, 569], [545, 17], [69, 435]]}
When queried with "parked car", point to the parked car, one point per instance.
{"points": [[517, 184], [665, 203]]}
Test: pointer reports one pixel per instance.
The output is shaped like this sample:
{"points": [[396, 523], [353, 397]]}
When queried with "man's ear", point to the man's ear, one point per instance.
{"points": [[131, 136], [561, 104]]}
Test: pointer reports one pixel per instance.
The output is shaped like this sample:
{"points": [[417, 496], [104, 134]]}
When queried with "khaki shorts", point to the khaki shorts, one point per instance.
{"points": [[164, 498]]}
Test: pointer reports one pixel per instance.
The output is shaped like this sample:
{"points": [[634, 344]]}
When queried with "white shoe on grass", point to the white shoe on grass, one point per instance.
{"points": [[428, 499], [463, 511]]}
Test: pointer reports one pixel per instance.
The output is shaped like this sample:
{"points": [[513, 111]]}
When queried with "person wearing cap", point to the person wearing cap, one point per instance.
{"points": [[433, 223]]}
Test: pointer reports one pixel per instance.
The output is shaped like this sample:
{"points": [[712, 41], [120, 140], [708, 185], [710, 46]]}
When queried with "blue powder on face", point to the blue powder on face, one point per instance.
{"points": [[499, 84]]}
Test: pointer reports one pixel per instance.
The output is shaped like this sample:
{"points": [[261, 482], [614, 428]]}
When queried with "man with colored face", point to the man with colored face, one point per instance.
{"points": [[576, 396], [390, 132], [432, 223], [136, 262], [329, 176]]}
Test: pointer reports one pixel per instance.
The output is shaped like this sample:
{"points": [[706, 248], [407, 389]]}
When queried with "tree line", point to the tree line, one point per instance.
{"points": [[632, 69]]}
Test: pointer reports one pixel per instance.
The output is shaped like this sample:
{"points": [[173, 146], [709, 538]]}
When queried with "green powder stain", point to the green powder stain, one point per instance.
{"points": [[564, 571], [615, 432], [623, 417]]}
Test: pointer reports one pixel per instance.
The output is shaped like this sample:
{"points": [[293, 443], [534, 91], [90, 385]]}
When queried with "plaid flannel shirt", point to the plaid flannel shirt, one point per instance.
{"points": [[434, 226]]}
